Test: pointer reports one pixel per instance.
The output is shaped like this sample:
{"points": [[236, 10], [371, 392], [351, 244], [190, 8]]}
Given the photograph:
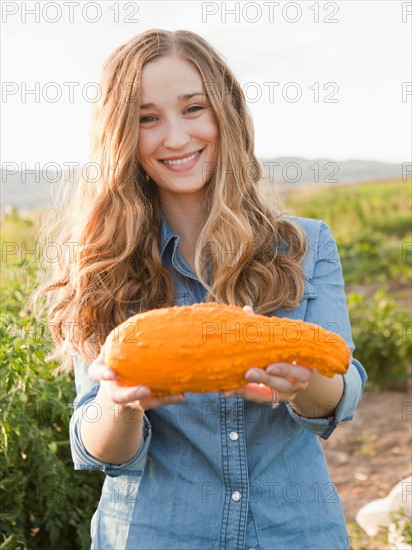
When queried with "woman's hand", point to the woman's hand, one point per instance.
{"points": [[132, 396], [286, 379]]}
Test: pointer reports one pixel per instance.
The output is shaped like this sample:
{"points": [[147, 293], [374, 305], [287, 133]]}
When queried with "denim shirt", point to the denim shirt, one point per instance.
{"points": [[227, 473]]}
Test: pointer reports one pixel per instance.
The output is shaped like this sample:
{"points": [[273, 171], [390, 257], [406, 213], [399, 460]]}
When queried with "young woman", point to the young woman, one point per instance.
{"points": [[176, 217]]}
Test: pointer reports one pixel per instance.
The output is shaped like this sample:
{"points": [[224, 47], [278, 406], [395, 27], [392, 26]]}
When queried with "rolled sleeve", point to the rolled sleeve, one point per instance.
{"points": [[83, 408], [329, 311]]}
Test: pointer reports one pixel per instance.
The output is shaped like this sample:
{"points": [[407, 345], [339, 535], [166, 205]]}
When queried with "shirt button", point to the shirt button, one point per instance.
{"points": [[236, 496], [234, 436]]}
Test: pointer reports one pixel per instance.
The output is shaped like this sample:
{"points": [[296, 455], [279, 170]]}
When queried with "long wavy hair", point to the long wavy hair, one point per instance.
{"points": [[108, 225]]}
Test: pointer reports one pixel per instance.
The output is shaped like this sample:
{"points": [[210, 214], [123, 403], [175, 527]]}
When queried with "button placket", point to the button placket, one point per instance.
{"points": [[236, 481]]}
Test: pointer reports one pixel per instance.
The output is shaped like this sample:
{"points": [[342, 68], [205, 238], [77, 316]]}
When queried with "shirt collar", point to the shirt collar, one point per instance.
{"points": [[166, 234]]}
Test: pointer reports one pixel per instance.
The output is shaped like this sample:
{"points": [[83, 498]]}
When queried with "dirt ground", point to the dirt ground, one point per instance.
{"points": [[370, 454]]}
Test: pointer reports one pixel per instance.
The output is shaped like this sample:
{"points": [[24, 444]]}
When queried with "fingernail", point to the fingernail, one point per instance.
{"points": [[253, 374], [273, 370], [141, 392], [109, 375]]}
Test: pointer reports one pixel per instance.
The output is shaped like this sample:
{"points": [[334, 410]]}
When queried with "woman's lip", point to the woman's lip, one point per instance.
{"points": [[183, 167], [181, 157]]}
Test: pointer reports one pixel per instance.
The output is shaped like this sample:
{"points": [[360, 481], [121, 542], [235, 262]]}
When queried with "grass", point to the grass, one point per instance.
{"points": [[359, 540], [372, 227], [382, 208]]}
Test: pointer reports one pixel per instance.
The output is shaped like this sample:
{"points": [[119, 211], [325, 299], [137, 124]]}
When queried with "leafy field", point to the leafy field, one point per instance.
{"points": [[371, 224], [46, 504], [372, 227]]}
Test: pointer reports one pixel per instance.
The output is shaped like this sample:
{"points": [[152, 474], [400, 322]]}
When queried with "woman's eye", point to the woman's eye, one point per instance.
{"points": [[147, 118], [150, 118], [195, 108]]}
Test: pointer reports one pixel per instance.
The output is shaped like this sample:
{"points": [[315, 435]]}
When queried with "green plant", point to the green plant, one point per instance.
{"points": [[45, 503], [11, 543], [403, 524], [380, 331], [359, 540]]}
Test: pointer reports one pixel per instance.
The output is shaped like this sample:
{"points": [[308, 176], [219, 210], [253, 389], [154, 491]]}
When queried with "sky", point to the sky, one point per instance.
{"points": [[321, 79]]}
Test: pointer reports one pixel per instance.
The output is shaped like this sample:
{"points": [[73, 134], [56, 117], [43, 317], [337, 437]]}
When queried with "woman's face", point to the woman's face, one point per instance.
{"points": [[178, 135]]}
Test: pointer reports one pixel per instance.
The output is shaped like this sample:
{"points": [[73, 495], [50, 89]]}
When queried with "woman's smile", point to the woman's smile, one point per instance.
{"points": [[182, 163]]}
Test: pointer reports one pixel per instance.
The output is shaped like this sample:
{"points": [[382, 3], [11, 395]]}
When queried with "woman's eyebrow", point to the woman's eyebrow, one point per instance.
{"points": [[183, 97]]}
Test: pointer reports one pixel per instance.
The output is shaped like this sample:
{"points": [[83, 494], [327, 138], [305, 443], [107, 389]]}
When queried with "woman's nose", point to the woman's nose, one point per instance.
{"points": [[176, 135]]}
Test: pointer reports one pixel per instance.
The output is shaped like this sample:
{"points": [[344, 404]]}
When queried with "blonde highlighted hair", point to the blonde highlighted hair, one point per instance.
{"points": [[109, 226]]}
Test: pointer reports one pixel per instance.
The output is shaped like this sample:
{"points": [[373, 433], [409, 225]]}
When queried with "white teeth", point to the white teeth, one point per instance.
{"points": [[182, 161]]}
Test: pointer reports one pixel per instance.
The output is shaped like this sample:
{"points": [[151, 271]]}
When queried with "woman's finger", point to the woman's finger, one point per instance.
{"points": [[100, 371], [141, 395], [300, 373], [253, 392], [124, 394], [98, 367], [248, 309], [282, 384], [154, 402]]}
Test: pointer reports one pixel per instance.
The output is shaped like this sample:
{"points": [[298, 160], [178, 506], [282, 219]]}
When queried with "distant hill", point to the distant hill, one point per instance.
{"points": [[298, 171], [28, 190]]}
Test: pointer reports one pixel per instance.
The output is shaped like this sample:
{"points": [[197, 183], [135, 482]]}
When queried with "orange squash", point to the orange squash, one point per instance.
{"points": [[208, 347]]}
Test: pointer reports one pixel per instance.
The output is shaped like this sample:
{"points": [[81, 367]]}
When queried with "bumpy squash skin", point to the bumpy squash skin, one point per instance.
{"points": [[208, 347]]}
